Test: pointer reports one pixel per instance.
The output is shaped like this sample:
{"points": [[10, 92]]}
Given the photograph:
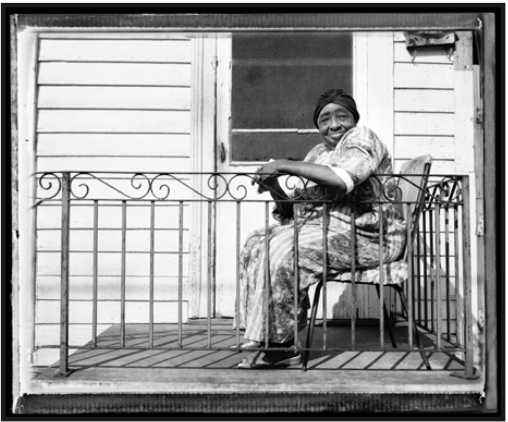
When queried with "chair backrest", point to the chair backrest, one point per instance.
{"points": [[413, 188]]}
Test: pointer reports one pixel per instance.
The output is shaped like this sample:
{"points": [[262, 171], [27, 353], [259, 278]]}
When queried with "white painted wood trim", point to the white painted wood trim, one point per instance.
{"points": [[27, 98], [202, 148], [373, 82], [360, 79], [380, 92], [373, 93]]}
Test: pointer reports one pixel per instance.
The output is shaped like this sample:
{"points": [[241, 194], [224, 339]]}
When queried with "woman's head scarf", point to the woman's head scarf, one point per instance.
{"points": [[337, 96]]}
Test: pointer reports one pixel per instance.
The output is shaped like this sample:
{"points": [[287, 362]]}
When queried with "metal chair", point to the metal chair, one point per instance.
{"points": [[412, 189]]}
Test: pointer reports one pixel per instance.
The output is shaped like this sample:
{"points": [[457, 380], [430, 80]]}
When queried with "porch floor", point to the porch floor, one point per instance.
{"points": [[397, 371]]}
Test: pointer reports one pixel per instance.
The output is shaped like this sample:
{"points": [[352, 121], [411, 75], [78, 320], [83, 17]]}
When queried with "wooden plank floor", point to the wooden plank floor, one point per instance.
{"points": [[194, 335]]}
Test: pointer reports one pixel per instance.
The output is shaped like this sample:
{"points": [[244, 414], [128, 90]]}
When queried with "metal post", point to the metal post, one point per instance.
{"points": [[180, 272], [95, 269], [410, 298], [353, 281], [325, 270], [447, 271], [209, 278], [381, 279], [152, 271], [439, 316], [419, 273], [267, 274], [469, 371], [64, 370], [431, 267], [122, 281], [238, 264], [425, 274]]}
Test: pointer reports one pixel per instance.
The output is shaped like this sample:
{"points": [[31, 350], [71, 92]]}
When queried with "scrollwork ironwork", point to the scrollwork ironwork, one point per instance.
{"points": [[238, 187]]}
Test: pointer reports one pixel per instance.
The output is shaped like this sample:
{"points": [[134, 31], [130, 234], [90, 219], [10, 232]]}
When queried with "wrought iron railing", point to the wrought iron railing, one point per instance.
{"points": [[445, 200]]}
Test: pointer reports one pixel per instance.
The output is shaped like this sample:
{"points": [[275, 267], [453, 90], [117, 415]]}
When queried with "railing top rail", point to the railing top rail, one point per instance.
{"points": [[232, 186]]}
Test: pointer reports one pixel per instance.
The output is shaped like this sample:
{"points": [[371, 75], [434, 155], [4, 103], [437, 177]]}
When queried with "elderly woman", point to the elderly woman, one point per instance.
{"points": [[341, 164]]}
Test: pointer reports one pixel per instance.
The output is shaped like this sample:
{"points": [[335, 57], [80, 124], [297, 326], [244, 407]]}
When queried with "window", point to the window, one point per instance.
{"points": [[277, 78]]}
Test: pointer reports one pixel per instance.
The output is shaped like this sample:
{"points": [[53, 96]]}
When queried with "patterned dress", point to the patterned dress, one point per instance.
{"points": [[361, 154]]}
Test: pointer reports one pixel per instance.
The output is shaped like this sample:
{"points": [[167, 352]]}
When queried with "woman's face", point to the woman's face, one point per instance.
{"points": [[333, 122]]}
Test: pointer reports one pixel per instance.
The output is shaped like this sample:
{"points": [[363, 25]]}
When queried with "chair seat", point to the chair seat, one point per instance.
{"points": [[393, 273]]}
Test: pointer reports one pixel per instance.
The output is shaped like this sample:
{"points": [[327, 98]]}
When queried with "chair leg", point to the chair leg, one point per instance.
{"points": [[310, 333], [387, 318], [416, 333]]}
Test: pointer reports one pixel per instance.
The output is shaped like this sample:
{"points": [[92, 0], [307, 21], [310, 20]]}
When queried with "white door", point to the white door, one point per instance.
{"points": [[264, 112]]}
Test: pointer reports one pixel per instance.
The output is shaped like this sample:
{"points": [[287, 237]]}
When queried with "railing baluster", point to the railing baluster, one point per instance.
{"points": [[419, 273], [425, 272], [180, 271], [238, 264], [296, 281], [325, 271], [353, 281], [95, 269], [459, 285], [381, 279], [438, 275], [468, 298], [123, 263], [432, 273], [209, 279], [447, 274], [64, 370], [152, 271], [409, 309], [267, 273]]}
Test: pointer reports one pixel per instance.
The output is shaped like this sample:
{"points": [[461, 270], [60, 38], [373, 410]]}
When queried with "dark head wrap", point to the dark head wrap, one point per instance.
{"points": [[337, 96]]}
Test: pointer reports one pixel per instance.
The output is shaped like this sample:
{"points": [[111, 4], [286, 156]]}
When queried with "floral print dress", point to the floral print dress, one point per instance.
{"points": [[361, 154]]}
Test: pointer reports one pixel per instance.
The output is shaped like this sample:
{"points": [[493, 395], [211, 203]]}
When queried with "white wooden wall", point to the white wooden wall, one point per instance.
{"points": [[123, 103], [111, 103], [434, 114], [423, 98]]}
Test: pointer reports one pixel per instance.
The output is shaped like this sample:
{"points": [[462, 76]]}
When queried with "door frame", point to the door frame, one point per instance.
{"points": [[373, 92]]}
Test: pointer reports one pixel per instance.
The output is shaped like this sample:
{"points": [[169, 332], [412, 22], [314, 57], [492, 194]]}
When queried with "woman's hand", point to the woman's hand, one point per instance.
{"points": [[268, 180]]}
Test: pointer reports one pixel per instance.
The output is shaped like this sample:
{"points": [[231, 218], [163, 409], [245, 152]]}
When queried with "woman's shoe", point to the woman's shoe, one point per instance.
{"points": [[247, 345], [270, 360]]}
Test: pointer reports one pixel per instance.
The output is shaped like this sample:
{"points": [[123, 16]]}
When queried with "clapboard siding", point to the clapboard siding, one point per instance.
{"points": [[99, 74], [407, 75], [110, 215], [107, 144], [408, 147], [80, 312], [424, 100], [165, 241], [424, 106], [438, 166], [124, 121], [424, 124], [120, 97], [109, 288], [137, 264], [117, 163], [161, 51], [115, 105]]}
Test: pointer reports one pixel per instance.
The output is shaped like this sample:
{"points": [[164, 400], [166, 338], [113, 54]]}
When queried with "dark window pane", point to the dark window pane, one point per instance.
{"points": [[266, 146], [277, 77]]}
